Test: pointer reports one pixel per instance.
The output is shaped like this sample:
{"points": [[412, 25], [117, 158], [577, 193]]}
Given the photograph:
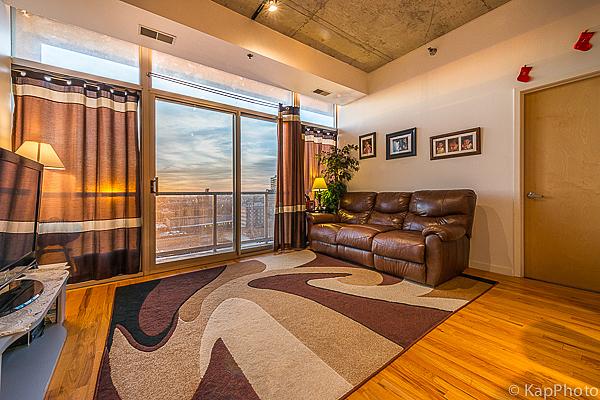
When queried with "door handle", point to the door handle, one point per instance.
{"points": [[534, 196], [154, 185]]}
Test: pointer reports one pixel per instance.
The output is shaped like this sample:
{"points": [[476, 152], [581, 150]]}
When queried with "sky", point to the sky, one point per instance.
{"points": [[194, 150]]}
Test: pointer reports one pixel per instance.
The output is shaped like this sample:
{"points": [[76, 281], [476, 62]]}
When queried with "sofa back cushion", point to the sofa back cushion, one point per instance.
{"points": [[390, 209], [355, 207], [438, 207]]}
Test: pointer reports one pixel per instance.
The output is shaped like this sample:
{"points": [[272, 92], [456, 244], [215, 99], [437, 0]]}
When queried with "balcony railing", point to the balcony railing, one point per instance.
{"points": [[190, 224]]}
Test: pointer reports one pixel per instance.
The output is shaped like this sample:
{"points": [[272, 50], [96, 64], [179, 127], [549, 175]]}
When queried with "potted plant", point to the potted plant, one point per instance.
{"points": [[339, 165]]}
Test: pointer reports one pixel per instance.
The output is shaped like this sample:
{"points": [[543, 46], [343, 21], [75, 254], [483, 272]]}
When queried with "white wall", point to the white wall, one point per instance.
{"points": [[5, 81], [471, 82]]}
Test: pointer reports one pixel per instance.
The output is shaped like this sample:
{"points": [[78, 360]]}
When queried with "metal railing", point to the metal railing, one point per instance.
{"points": [[183, 222]]}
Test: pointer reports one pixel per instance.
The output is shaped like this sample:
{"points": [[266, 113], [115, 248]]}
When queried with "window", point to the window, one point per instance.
{"points": [[188, 78], [194, 164], [313, 111], [66, 46], [259, 181]]}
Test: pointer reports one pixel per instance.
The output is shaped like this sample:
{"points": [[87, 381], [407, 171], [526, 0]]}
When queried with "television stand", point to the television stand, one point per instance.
{"points": [[26, 370]]}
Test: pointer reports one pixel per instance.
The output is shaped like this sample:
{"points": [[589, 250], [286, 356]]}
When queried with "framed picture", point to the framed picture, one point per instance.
{"points": [[367, 146], [401, 144], [456, 144]]}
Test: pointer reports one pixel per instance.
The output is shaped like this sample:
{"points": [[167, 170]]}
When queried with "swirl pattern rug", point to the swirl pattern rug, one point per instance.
{"points": [[292, 326]]}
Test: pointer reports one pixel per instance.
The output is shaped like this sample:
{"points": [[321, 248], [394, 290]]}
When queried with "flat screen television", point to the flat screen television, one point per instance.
{"points": [[20, 190]]}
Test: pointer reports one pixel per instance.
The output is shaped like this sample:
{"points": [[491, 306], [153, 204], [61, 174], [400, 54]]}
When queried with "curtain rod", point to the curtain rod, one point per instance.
{"points": [[264, 103], [67, 77]]}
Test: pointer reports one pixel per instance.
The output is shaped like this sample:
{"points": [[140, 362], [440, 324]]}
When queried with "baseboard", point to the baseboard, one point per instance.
{"points": [[498, 269]]}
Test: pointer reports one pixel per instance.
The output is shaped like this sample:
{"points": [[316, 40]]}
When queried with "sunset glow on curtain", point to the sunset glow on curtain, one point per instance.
{"points": [[90, 211]]}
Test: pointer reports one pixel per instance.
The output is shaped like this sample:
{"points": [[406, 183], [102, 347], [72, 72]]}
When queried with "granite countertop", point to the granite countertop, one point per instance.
{"points": [[53, 277]]}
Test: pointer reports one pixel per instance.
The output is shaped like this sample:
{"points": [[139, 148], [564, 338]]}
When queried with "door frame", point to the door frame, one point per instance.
{"points": [[264, 117], [519, 94], [154, 267], [150, 96]]}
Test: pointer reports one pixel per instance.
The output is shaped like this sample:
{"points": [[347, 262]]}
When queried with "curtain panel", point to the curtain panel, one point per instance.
{"points": [[290, 226], [90, 212], [317, 141]]}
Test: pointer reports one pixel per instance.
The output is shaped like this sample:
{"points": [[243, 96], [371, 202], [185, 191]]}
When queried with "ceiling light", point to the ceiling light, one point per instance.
{"points": [[272, 6]]}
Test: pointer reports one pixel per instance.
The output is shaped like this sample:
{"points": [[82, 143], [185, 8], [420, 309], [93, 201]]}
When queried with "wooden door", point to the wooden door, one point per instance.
{"points": [[562, 164]]}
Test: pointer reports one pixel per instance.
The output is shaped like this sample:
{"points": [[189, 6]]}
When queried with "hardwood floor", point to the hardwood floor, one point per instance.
{"points": [[521, 332]]}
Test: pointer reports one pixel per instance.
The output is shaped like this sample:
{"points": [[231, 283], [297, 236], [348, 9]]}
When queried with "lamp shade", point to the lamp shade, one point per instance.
{"points": [[319, 184], [41, 152]]}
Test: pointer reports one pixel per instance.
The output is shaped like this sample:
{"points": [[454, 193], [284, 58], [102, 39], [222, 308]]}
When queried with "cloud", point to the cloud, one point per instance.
{"points": [[194, 150]]}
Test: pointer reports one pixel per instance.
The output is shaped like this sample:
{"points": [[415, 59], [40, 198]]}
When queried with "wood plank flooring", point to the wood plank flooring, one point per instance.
{"points": [[521, 332]]}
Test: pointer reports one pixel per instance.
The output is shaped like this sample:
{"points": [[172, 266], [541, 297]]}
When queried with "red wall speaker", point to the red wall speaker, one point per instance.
{"points": [[583, 43], [524, 74]]}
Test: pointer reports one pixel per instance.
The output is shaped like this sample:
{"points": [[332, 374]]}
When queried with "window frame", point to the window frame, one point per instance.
{"points": [[334, 116], [67, 71]]}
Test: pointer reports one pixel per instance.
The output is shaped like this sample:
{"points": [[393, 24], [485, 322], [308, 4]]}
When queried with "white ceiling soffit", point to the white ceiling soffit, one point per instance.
{"points": [[273, 64]]}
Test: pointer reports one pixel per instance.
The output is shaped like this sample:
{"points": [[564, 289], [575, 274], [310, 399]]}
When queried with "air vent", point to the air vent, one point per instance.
{"points": [[322, 92], [151, 33]]}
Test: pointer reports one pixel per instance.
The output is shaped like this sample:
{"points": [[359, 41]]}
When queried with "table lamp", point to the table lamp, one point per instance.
{"points": [[41, 152], [319, 186]]}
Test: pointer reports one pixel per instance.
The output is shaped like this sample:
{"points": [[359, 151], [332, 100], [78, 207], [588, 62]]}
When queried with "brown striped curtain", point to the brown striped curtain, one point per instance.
{"points": [[90, 212], [316, 142], [290, 224]]}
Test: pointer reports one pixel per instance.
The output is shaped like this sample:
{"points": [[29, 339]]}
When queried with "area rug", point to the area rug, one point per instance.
{"points": [[297, 325]]}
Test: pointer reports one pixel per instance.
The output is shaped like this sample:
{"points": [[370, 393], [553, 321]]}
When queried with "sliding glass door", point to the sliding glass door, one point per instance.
{"points": [[258, 181], [194, 189], [215, 182]]}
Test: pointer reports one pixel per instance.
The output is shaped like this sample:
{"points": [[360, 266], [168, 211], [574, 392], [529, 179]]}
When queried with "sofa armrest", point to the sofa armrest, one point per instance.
{"points": [[446, 233], [321, 218]]}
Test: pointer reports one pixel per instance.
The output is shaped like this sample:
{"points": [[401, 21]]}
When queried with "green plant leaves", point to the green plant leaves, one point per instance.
{"points": [[339, 165]]}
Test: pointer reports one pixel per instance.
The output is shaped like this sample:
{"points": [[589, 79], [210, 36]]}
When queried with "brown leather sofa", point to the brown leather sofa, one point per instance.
{"points": [[422, 236]]}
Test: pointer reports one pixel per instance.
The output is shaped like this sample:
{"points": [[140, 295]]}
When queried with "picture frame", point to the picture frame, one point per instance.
{"points": [[401, 144], [455, 144], [367, 146]]}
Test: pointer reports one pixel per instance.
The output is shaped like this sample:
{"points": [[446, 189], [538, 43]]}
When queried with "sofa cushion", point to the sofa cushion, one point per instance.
{"points": [[414, 222], [325, 232], [360, 236], [438, 207], [355, 207], [392, 202], [390, 209], [400, 245], [395, 220]]}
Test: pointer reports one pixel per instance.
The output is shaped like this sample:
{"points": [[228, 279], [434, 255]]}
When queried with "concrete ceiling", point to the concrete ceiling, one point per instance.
{"points": [[365, 33]]}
